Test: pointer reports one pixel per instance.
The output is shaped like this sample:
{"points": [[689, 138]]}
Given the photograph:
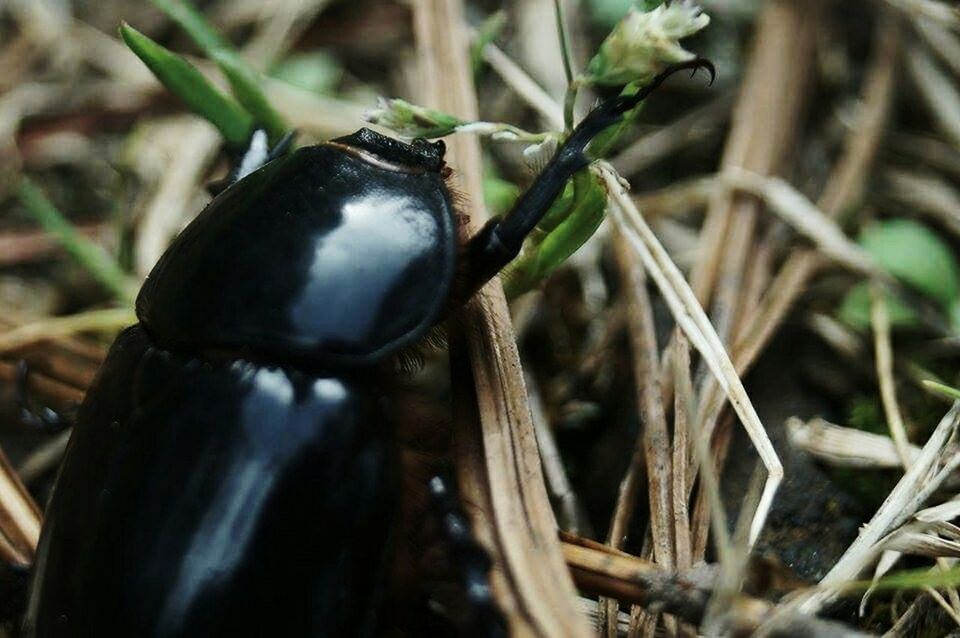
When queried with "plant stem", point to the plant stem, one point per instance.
{"points": [[568, 103], [567, 56], [564, 41]]}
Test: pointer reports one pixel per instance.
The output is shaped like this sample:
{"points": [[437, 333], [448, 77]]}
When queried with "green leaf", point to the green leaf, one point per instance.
{"points": [[245, 81], [88, 254], [914, 254], [855, 309], [184, 80], [559, 209], [550, 249]]}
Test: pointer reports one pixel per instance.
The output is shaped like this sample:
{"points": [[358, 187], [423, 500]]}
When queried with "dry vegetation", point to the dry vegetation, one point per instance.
{"points": [[622, 477]]}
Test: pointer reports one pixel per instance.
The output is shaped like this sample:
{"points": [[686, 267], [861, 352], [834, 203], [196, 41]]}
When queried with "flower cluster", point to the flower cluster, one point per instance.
{"points": [[644, 43], [412, 121]]}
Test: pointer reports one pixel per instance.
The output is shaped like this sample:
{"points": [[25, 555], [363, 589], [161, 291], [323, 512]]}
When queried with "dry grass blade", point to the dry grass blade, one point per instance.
{"points": [[937, 91], [945, 43], [654, 444], [683, 411], [109, 320], [44, 458], [764, 124], [692, 128], [935, 10], [20, 518], [677, 199], [692, 319], [499, 465], [164, 216], [524, 86], [801, 214], [652, 449], [928, 194], [28, 246], [880, 319], [570, 510], [43, 386], [899, 505], [844, 187], [846, 447], [601, 570]]}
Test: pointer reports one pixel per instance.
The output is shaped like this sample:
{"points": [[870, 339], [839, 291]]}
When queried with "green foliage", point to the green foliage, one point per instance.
{"points": [[245, 85], [547, 250], [91, 256], [195, 25], [244, 80], [940, 388], [855, 309], [412, 121], [912, 579], [916, 256], [184, 80]]}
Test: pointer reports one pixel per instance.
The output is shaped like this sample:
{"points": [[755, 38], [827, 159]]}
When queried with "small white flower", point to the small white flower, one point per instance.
{"points": [[645, 42], [410, 120]]}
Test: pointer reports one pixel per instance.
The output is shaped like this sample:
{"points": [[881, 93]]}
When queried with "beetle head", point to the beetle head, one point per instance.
{"points": [[420, 153]]}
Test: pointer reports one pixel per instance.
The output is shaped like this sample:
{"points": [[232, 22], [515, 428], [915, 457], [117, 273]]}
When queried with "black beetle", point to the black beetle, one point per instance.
{"points": [[233, 471]]}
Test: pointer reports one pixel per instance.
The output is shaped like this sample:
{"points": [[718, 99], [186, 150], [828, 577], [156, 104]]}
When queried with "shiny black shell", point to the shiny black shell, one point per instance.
{"points": [[232, 471], [337, 254], [224, 499]]}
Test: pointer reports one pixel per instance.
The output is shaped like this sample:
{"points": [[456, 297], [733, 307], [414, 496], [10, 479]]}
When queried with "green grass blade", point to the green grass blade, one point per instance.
{"points": [[186, 82], [245, 84], [245, 81], [87, 253], [195, 25], [911, 579], [945, 390]]}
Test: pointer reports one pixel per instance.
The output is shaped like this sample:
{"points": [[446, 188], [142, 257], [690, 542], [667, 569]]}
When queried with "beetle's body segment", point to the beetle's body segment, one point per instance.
{"points": [[224, 499], [322, 257]]}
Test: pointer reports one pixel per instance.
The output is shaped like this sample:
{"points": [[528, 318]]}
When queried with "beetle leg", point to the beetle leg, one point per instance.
{"points": [[472, 559], [43, 419], [501, 239]]}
